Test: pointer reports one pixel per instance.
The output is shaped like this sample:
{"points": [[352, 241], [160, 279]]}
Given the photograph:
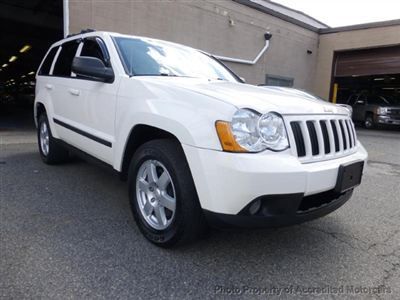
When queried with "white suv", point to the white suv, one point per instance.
{"points": [[197, 145]]}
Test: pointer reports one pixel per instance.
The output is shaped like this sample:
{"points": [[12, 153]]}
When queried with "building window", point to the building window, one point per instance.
{"points": [[278, 81]]}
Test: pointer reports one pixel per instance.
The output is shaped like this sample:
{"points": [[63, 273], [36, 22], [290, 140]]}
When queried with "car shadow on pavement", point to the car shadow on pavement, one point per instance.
{"points": [[88, 183]]}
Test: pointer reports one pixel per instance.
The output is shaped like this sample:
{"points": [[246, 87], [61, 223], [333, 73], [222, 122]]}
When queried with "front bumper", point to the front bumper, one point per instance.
{"points": [[281, 210], [388, 120], [227, 182]]}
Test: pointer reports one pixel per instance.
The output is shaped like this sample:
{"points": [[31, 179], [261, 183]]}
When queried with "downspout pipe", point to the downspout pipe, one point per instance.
{"points": [[267, 37], [66, 17]]}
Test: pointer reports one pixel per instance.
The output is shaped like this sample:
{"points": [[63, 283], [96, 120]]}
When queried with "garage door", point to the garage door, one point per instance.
{"points": [[368, 62]]}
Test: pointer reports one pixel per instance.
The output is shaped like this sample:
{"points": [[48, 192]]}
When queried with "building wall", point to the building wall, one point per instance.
{"points": [[220, 27], [348, 40]]}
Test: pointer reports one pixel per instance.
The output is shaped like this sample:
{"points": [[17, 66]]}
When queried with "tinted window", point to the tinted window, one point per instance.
{"points": [[279, 81], [375, 99], [64, 60], [45, 69], [149, 57], [91, 48]]}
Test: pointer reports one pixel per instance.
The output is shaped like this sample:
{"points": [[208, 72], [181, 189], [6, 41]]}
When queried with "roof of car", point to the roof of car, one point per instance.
{"points": [[90, 33]]}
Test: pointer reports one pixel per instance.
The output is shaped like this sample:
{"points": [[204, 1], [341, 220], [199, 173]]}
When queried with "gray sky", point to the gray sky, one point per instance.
{"points": [[346, 12]]}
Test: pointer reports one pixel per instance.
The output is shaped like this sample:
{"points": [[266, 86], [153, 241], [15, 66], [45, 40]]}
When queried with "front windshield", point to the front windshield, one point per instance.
{"points": [[383, 100], [146, 57]]}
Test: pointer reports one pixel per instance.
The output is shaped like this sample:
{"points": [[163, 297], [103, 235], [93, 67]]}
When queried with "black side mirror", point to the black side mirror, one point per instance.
{"points": [[92, 67]]}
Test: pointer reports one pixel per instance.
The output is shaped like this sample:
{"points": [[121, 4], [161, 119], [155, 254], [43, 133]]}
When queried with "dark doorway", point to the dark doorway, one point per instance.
{"points": [[375, 71], [388, 84], [28, 28]]}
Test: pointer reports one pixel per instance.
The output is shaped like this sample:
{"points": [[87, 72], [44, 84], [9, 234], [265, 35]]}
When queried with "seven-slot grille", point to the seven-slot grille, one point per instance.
{"points": [[322, 137]]}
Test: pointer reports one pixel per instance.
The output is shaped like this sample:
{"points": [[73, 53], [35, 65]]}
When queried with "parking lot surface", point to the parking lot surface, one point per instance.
{"points": [[67, 232]]}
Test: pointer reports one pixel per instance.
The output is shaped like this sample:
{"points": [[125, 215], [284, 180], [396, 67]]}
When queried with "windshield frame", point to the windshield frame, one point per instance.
{"points": [[131, 74]]}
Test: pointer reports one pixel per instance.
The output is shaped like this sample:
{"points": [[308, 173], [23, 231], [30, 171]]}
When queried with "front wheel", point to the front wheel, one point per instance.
{"points": [[369, 122], [162, 194]]}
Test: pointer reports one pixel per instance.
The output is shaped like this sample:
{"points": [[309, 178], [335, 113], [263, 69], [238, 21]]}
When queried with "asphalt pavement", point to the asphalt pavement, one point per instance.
{"points": [[67, 232]]}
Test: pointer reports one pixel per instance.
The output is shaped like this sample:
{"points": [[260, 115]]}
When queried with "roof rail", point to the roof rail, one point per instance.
{"points": [[87, 30]]}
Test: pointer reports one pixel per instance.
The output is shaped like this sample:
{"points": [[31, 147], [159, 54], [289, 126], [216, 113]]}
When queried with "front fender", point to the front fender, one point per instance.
{"points": [[189, 116]]}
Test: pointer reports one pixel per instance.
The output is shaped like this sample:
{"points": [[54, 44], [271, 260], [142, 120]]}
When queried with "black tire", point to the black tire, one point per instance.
{"points": [[56, 153], [369, 121], [188, 222]]}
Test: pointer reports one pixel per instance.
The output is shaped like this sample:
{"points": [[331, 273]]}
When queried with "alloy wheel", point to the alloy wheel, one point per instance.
{"points": [[44, 138], [155, 194]]}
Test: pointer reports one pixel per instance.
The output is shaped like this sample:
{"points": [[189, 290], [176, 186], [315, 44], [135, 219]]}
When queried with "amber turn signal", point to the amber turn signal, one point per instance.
{"points": [[226, 137]]}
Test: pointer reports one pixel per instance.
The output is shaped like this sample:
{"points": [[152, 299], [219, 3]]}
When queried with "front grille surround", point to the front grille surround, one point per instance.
{"points": [[321, 137]]}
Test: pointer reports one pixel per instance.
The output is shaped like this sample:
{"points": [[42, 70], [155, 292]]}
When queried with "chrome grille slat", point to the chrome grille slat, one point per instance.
{"points": [[331, 137], [335, 135], [340, 135], [298, 137], [350, 133], [346, 140], [354, 133], [316, 138], [306, 137], [313, 138], [321, 140]]}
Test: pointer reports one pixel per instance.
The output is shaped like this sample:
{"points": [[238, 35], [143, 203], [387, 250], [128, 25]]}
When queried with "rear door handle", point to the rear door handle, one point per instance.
{"points": [[74, 92], [49, 86]]}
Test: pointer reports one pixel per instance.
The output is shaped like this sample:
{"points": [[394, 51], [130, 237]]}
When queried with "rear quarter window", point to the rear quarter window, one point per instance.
{"points": [[46, 66]]}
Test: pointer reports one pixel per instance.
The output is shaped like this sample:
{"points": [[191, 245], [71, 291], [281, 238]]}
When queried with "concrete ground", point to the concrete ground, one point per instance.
{"points": [[67, 232]]}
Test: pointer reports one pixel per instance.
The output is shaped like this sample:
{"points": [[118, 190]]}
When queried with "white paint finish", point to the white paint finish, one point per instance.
{"points": [[188, 108], [227, 182], [158, 102], [262, 99]]}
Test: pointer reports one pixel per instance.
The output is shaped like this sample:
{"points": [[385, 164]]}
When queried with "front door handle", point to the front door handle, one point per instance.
{"points": [[49, 86], [74, 92]]}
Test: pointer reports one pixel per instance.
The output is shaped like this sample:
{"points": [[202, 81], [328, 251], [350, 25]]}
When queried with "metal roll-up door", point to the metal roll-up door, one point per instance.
{"points": [[377, 61]]}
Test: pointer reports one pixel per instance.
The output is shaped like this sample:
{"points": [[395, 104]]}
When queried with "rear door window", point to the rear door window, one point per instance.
{"points": [[64, 61]]}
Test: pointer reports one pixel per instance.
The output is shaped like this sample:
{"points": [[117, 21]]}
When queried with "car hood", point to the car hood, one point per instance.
{"points": [[389, 106], [242, 95]]}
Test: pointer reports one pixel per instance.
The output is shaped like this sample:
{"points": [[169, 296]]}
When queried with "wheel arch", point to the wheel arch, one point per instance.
{"points": [[140, 134], [39, 109]]}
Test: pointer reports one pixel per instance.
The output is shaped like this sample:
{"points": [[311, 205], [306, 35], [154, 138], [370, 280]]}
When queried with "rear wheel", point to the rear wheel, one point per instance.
{"points": [[163, 196], [50, 151]]}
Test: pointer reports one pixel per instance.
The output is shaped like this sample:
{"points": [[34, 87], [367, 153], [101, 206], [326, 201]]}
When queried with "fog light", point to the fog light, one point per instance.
{"points": [[255, 207]]}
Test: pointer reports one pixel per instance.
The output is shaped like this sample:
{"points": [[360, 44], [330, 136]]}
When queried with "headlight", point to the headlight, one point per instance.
{"points": [[273, 132], [245, 130], [249, 131], [382, 110]]}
